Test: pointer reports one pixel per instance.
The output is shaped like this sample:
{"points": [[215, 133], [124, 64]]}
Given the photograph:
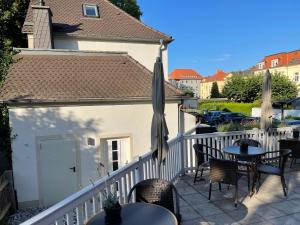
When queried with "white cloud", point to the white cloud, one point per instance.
{"points": [[222, 57]]}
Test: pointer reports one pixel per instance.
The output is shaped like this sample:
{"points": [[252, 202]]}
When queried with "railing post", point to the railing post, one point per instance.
{"points": [[182, 152], [140, 170]]}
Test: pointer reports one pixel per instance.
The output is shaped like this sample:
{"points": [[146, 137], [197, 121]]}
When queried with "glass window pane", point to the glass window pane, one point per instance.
{"points": [[90, 10], [114, 145], [115, 166], [115, 155]]}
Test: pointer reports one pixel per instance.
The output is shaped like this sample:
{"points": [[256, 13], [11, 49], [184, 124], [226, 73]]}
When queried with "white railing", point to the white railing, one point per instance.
{"points": [[81, 206], [219, 140]]}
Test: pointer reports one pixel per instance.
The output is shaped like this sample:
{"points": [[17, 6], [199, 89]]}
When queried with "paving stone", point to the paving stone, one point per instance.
{"points": [[208, 209], [188, 213], [221, 219], [186, 190], [286, 220], [267, 212], [246, 216]]}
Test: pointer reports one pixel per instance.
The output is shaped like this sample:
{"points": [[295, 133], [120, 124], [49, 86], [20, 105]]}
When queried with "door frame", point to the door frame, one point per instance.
{"points": [[38, 140], [104, 137]]}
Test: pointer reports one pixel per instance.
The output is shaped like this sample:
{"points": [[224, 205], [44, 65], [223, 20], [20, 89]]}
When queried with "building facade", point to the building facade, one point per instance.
{"points": [[206, 83], [186, 79], [80, 96], [286, 63]]}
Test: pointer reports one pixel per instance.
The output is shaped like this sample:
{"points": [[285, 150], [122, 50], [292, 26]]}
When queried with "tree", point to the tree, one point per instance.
{"points": [[283, 87], [234, 88], [252, 88], [214, 93], [12, 15], [129, 6], [249, 88]]}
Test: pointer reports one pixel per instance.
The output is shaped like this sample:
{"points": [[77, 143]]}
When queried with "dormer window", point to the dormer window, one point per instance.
{"points": [[274, 62], [90, 10], [261, 65]]}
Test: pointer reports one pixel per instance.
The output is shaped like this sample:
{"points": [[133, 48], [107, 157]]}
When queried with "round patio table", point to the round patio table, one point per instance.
{"points": [[139, 213], [253, 153]]}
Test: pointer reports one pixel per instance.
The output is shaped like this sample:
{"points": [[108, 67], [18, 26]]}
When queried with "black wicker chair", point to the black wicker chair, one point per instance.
{"points": [[245, 162], [159, 192], [275, 166], [203, 157], [294, 145], [224, 171]]}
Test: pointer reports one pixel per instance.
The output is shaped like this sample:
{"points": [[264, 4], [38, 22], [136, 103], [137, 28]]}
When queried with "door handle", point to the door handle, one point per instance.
{"points": [[73, 168]]}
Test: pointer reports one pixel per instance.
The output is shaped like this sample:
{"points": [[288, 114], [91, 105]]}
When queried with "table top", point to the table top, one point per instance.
{"points": [[139, 213], [252, 151]]}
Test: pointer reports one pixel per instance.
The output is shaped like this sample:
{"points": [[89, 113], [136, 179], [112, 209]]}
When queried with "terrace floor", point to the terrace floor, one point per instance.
{"points": [[267, 207]]}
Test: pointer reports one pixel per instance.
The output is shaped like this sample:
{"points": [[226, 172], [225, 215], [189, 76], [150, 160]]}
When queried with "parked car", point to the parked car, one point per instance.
{"points": [[232, 117], [212, 117]]}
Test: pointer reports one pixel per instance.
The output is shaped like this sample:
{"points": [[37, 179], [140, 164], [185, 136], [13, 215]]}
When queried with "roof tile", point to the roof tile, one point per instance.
{"points": [[72, 78], [113, 23]]}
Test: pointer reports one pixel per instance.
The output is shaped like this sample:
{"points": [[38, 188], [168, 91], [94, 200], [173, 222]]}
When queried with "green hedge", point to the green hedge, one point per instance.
{"points": [[244, 108]]}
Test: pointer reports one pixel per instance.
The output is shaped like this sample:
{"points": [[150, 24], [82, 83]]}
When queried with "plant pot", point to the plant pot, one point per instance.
{"points": [[244, 148], [113, 215], [295, 134]]}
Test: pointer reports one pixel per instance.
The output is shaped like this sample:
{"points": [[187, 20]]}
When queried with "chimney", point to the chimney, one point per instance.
{"points": [[42, 26]]}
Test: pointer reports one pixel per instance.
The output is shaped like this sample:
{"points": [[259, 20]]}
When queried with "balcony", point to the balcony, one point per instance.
{"points": [[268, 206]]}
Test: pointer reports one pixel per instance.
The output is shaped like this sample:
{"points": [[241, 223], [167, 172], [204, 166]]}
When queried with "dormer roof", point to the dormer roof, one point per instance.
{"points": [[112, 24]]}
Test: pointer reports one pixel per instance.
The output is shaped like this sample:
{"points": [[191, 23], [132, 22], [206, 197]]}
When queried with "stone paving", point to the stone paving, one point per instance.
{"points": [[267, 207]]}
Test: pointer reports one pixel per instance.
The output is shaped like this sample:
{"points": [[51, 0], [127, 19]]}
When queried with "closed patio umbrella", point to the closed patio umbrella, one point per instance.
{"points": [[266, 107], [159, 129]]}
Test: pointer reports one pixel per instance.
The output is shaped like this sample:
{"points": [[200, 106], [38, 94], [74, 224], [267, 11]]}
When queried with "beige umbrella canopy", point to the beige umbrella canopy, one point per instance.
{"points": [[266, 107]]}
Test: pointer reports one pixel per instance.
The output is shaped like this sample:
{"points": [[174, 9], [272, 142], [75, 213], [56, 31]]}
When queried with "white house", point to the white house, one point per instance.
{"points": [[186, 79], [86, 103]]}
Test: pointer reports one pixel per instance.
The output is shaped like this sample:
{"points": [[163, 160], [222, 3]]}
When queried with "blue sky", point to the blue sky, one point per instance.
{"points": [[224, 34]]}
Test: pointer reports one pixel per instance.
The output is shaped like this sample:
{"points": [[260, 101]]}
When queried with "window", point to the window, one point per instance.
{"points": [[261, 65], [274, 62], [296, 77], [90, 10]]}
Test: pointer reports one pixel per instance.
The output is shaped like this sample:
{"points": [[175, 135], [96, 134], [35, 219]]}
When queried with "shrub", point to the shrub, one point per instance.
{"points": [[245, 108], [229, 127], [292, 117]]}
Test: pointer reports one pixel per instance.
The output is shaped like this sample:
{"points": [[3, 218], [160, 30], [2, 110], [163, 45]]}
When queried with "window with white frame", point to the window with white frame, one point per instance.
{"points": [[261, 65], [296, 76], [90, 10], [274, 62]]}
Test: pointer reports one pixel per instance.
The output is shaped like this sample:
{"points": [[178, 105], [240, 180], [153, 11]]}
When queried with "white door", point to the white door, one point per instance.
{"points": [[57, 170], [117, 153]]}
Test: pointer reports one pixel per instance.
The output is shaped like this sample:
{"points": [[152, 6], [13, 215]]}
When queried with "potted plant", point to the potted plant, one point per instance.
{"points": [[111, 207], [243, 146]]}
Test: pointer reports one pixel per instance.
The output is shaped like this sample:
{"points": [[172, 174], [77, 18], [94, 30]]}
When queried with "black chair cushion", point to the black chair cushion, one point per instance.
{"points": [[268, 169]]}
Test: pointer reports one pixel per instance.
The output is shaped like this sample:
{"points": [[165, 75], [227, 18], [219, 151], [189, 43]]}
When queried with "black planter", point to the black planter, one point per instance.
{"points": [[244, 148], [113, 215], [295, 134]]}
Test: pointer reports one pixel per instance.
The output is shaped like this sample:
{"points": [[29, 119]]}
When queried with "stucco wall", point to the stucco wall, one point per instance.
{"points": [[205, 88], [289, 71], [144, 53], [84, 121]]}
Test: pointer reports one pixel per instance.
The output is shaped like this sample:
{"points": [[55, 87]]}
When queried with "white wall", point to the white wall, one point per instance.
{"points": [[256, 112], [144, 53], [84, 122]]}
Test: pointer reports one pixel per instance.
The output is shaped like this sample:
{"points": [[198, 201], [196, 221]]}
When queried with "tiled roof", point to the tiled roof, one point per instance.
{"points": [[113, 24], [184, 74], [284, 59], [220, 75], [74, 77]]}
